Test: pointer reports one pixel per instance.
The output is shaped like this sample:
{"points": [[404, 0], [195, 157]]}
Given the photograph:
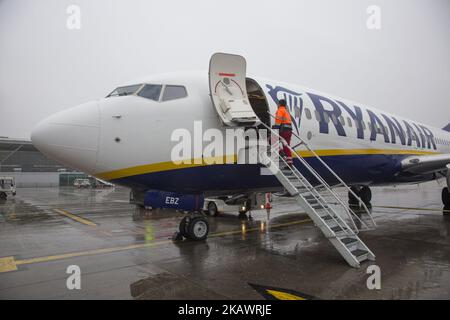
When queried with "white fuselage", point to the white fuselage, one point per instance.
{"points": [[127, 139]]}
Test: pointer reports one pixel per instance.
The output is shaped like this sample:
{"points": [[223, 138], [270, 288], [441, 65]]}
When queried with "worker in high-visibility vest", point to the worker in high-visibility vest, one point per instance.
{"points": [[283, 122]]}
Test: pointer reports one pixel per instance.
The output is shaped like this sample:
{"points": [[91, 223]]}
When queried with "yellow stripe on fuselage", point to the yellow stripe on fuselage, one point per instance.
{"points": [[342, 152], [169, 165], [165, 166]]}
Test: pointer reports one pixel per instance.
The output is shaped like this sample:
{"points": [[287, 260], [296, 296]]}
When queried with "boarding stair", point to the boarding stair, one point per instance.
{"points": [[338, 221]]}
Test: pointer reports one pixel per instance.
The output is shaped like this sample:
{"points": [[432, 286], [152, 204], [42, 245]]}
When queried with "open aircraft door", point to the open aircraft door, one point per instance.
{"points": [[228, 90]]}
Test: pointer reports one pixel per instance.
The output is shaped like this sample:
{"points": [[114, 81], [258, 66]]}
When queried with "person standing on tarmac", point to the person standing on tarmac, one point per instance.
{"points": [[283, 122]]}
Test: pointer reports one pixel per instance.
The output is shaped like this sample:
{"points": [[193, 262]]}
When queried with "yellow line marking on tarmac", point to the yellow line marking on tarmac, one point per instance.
{"points": [[408, 208], [272, 293], [7, 264], [284, 295], [75, 217], [12, 262]]}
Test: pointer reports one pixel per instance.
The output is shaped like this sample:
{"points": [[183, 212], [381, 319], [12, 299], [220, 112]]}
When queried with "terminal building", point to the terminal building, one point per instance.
{"points": [[30, 168]]}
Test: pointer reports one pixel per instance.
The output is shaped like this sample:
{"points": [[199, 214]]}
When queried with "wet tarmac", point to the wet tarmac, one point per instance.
{"points": [[124, 253]]}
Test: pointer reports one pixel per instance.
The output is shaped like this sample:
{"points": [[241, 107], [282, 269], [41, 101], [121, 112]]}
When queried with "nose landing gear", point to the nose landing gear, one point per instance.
{"points": [[364, 193], [194, 227]]}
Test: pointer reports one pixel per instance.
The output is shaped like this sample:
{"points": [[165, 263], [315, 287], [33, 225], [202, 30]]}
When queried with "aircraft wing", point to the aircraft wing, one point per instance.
{"points": [[426, 164]]}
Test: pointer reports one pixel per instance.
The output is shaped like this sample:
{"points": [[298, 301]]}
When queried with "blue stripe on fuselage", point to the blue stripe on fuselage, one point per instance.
{"points": [[353, 169]]}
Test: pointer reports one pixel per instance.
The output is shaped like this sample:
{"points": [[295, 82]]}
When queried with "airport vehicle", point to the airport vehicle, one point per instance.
{"points": [[7, 186], [82, 183], [238, 203], [156, 133]]}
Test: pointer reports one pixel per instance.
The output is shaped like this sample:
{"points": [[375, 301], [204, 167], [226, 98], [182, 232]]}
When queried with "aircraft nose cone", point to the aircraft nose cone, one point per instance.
{"points": [[71, 136]]}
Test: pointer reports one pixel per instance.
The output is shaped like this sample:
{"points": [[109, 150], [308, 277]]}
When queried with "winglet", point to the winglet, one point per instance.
{"points": [[446, 128]]}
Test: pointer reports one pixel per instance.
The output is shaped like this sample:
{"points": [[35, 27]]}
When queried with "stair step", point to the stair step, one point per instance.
{"points": [[320, 206], [359, 252], [312, 201], [348, 241], [327, 217], [337, 229]]}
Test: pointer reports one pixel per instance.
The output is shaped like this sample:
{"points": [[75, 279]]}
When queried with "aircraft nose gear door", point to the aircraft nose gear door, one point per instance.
{"points": [[228, 90]]}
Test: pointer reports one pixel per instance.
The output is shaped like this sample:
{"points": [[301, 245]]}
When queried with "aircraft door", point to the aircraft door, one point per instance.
{"points": [[228, 90]]}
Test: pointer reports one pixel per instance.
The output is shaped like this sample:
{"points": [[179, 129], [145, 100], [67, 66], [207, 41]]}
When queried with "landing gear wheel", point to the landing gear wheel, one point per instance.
{"points": [[3, 196], [445, 197], [197, 228], [365, 194], [212, 209], [183, 228], [351, 198]]}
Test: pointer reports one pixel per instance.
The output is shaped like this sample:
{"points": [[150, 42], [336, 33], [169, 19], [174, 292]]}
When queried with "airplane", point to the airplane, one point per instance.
{"points": [[127, 138]]}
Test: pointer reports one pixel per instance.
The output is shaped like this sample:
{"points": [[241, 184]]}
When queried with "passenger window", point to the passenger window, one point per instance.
{"points": [[342, 120], [326, 117], [308, 113], [174, 92], [363, 125], [317, 115], [349, 121], [151, 91]]}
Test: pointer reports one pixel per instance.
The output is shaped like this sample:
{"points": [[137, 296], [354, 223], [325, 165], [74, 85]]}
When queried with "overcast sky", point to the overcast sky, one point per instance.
{"points": [[402, 68]]}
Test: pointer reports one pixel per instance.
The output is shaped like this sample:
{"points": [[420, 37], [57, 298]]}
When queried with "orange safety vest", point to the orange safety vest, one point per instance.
{"points": [[282, 116]]}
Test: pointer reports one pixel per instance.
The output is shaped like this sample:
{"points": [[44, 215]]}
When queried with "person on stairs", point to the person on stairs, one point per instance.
{"points": [[283, 123]]}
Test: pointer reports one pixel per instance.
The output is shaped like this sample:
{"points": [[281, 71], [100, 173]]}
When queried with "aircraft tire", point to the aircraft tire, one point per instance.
{"points": [[197, 228], [365, 194], [3, 195], [445, 197], [351, 198], [183, 228], [212, 209]]}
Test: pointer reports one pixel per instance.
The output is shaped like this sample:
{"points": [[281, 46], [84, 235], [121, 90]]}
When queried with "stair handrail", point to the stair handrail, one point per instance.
{"points": [[361, 203], [325, 185], [327, 167], [352, 216], [350, 212], [317, 196]]}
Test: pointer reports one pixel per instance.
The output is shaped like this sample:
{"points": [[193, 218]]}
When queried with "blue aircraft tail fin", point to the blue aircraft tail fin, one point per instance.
{"points": [[446, 128]]}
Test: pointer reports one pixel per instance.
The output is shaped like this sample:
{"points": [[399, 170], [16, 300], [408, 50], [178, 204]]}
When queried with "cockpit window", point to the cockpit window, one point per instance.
{"points": [[124, 91], [151, 91], [174, 92]]}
